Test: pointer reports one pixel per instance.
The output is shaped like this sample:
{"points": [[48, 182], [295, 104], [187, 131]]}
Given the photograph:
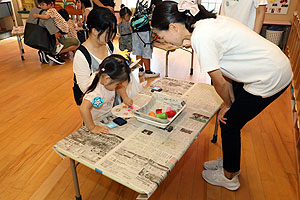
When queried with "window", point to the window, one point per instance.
{"points": [[212, 5]]}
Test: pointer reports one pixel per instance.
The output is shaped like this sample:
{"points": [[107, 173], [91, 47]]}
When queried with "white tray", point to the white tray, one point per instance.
{"points": [[160, 100]]}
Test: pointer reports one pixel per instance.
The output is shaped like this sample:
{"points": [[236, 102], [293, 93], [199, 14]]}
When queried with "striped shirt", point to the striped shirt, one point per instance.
{"points": [[59, 21]]}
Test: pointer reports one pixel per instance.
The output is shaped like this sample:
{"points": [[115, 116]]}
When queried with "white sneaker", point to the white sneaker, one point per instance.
{"points": [[213, 164], [150, 74], [59, 47], [217, 177], [56, 59]]}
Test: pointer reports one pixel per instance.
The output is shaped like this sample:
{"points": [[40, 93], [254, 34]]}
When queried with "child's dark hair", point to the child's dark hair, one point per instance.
{"points": [[116, 67], [64, 13], [102, 19], [44, 1], [124, 10], [167, 12]]}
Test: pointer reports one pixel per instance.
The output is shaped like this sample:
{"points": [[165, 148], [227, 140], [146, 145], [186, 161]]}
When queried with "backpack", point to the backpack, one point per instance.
{"points": [[78, 94], [82, 35], [140, 18]]}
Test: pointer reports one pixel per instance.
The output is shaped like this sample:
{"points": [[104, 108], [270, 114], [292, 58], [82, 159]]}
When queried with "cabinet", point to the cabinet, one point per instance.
{"points": [[286, 25], [292, 50]]}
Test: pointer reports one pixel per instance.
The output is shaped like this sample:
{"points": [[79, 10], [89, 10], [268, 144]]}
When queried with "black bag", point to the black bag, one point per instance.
{"points": [[78, 94], [82, 35], [140, 19], [39, 37]]}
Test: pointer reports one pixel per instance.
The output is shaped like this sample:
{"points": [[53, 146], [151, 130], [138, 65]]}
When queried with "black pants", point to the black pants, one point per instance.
{"points": [[245, 107]]}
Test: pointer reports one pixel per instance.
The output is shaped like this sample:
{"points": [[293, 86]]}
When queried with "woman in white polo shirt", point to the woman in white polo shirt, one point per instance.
{"points": [[248, 73], [249, 12]]}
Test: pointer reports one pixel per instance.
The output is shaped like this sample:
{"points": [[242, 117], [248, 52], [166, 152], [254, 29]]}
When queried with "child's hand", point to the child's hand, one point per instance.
{"points": [[35, 15], [128, 101], [100, 129]]}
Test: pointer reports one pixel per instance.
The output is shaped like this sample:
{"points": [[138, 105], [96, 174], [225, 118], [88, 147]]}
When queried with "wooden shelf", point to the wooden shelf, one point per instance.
{"points": [[282, 23]]}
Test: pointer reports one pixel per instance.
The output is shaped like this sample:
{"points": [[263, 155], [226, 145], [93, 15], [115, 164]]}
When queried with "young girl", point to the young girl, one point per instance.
{"points": [[85, 6], [248, 73], [70, 39], [99, 97], [72, 27], [125, 40]]}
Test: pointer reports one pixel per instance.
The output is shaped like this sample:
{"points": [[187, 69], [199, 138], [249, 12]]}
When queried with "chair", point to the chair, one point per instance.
{"points": [[72, 11]]}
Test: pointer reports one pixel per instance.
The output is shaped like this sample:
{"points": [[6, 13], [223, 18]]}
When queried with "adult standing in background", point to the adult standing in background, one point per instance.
{"points": [[249, 12], [86, 7], [110, 4]]}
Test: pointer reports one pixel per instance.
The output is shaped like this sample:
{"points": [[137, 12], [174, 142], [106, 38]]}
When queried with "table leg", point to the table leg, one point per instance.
{"points": [[167, 62], [20, 46], [215, 136], [192, 63], [75, 180]]}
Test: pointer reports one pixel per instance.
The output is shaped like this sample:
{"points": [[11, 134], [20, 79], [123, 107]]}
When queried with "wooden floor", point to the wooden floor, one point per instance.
{"points": [[37, 110]]}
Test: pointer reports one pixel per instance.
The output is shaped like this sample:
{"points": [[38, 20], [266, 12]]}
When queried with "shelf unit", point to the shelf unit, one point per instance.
{"points": [[292, 50]]}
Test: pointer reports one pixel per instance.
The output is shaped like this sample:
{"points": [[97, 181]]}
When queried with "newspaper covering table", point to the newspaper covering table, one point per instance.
{"points": [[138, 155]]}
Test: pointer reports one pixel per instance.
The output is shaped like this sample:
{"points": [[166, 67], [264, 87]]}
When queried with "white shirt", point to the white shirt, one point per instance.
{"points": [[102, 101], [82, 70], [243, 10], [242, 55]]}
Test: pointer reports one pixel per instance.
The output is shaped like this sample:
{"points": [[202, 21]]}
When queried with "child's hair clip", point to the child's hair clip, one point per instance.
{"points": [[128, 62], [102, 69]]}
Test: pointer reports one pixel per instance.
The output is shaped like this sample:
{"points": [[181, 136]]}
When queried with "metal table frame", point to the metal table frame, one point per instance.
{"points": [[170, 48], [74, 172]]}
